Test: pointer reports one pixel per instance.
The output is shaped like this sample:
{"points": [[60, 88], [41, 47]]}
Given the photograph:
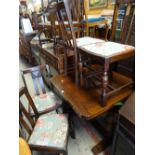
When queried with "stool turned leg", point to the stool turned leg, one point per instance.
{"points": [[104, 86], [104, 82], [81, 70], [65, 61]]}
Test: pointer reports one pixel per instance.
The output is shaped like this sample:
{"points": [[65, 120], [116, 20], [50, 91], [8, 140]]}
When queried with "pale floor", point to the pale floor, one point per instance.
{"points": [[86, 135]]}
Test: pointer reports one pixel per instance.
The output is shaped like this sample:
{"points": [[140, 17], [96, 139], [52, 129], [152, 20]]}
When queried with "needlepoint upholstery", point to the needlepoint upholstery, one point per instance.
{"points": [[50, 131], [46, 101]]}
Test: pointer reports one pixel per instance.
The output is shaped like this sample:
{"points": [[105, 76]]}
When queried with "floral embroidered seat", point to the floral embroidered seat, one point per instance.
{"points": [[47, 132], [44, 101], [50, 131]]}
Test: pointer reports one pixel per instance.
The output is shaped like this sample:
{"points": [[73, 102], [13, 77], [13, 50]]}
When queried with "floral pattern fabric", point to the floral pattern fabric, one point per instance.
{"points": [[50, 131], [46, 101]]}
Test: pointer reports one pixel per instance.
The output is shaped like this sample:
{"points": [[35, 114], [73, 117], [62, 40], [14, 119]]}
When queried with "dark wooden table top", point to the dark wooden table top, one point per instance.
{"points": [[86, 103], [128, 109]]}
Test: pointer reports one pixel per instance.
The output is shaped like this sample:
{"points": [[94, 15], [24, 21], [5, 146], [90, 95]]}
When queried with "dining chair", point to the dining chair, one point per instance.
{"points": [[44, 101], [123, 31], [66, 35], [45, 133], [123, 24], [77, 11]]}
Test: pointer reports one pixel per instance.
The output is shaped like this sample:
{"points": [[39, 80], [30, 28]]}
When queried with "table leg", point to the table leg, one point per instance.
{"points": [[104, 82], [65, 61], [80, 70]]}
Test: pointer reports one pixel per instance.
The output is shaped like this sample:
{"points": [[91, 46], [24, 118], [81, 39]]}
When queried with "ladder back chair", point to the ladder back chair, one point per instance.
{"points": [[123, 31], [125, 25], [77, 13], [44, 101], [63, 15], [48, 132]]}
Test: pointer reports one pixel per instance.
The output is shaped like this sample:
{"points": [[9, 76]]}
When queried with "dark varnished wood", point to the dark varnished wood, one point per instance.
{"points": [[128, 20], [24, 46], [127, 34], [103, 70], [23, 91], [86, 103], [67, 35], [29, 124], [36, 74], [128, 110], [127, 119], [100, 146], [125, 129]]}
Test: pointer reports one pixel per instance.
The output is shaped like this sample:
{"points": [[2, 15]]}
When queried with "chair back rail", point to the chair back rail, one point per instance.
{"points": [[27, 124], [128, 21], [77, 9], [24, 91], [25, 120], [36, 74]]}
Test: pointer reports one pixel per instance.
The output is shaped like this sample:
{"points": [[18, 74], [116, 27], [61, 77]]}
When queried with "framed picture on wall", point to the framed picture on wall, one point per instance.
{"points": [[93, 4]]}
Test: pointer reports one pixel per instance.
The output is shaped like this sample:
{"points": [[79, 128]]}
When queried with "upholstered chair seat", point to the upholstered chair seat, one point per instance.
{"points": [[50, 130], [46, 102]]}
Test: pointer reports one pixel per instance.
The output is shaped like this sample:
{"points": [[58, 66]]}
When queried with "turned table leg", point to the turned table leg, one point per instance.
{"points": [[81, 70], [65, 61], [104, 82]]}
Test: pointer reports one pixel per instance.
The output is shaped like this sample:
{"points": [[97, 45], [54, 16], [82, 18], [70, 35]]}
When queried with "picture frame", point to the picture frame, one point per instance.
{"points": [[94, 4]]}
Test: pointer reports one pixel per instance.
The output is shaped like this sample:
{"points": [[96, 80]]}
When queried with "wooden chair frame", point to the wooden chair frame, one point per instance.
{"points": [[30, 123], [36, 72], [126, 30], [69, 42]]}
